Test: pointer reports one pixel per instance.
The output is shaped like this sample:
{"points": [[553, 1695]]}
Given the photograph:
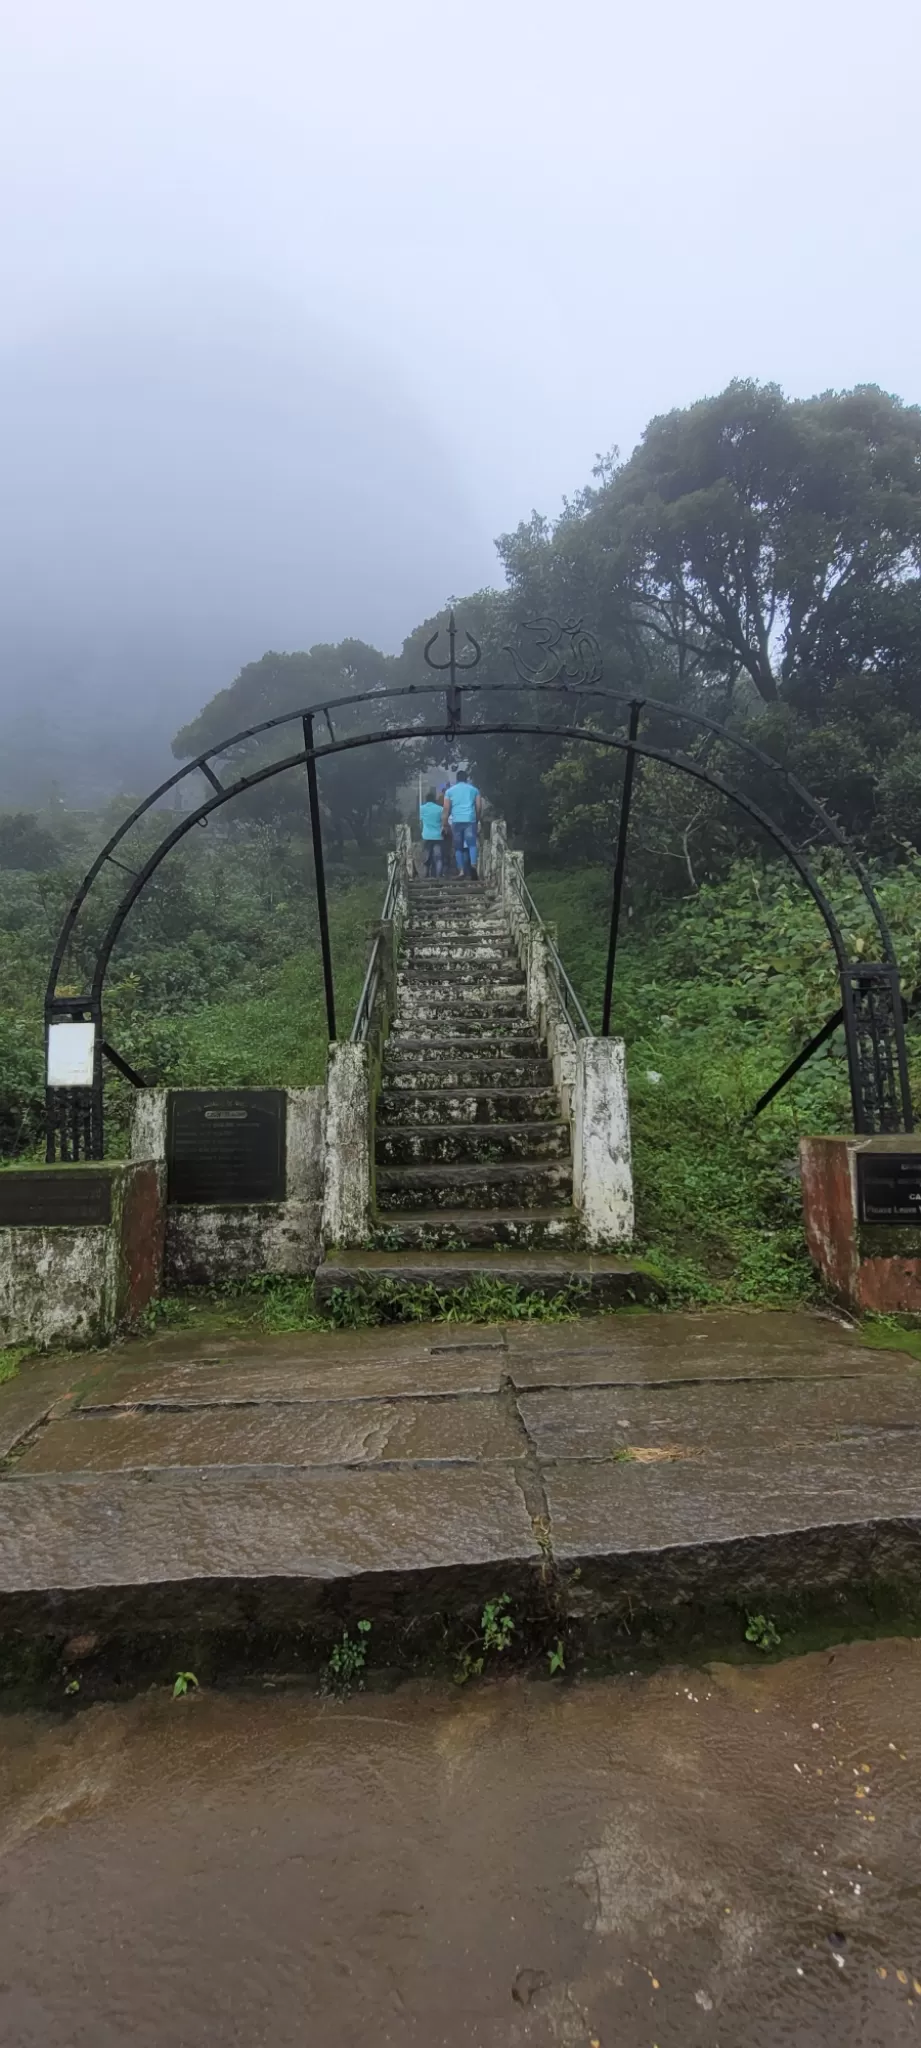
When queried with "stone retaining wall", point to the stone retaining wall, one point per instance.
{"points": [[208, 1246]]}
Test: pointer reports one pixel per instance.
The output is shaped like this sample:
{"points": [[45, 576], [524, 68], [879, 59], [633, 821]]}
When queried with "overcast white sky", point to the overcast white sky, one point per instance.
{"points": [[527, 226]]}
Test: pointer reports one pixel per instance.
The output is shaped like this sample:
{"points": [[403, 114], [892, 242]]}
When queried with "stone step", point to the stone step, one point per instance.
{"points": [[447, 1024], [459, 1004], [601, 1280], [490, 1045], [417, 1105], [437, 922], [454, 952], [455, 976], [469, 1144], [466, 899], [451, 1070], [472, 1229], [444, 923], [523, 1184]]}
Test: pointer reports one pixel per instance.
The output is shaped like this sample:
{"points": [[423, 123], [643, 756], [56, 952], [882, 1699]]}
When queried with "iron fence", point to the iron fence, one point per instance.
{"points": [[372, 980]]}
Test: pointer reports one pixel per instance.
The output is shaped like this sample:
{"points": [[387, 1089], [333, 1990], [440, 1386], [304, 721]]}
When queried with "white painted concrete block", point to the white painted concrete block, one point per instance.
{"points": [[347, 1194], [602, 1164]]}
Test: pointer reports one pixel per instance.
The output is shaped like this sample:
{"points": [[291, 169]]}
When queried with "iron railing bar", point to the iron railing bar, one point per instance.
{"points": [[525, 893], [364, 1001], [369, 992]]}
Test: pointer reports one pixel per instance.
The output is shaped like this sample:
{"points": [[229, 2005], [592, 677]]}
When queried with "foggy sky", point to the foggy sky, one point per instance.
{"points": [[302, 305]]}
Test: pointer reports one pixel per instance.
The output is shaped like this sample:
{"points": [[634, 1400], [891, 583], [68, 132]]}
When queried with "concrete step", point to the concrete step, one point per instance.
{"points": [[520, 1184], [453, 952], [465, 1012], [456, 976], [445, 923], [469, 1144], [446, 1024], [456, 1071], [471, 1229], [418, 1105], [490, 1045], [603, 1281], [476, 920]]}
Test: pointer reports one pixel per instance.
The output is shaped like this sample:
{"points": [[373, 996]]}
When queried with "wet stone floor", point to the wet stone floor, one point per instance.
{"points": [[720, 1855], [222, 1465]]}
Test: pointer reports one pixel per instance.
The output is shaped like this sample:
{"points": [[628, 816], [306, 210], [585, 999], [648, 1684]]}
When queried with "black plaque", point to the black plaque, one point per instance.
{"points": [[225, 1146], [889, 1187], [63, 1194]]}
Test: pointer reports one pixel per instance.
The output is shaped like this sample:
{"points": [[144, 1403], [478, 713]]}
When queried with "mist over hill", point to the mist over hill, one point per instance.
{"points": [[180, 494]]}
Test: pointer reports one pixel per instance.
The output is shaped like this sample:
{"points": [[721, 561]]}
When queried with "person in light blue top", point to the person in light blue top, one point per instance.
{"points": [[463, 809], [430, 818]]}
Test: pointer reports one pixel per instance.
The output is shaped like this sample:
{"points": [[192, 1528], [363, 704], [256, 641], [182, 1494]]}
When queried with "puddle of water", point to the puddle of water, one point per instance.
{"points": [[725, 1858]]}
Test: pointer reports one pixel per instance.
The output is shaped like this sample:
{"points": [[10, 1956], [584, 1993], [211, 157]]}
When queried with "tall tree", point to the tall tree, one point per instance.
{"points": [[357, 789], [772, 538]]}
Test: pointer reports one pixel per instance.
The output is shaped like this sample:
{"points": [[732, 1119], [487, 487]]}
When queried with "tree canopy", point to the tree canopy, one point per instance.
{"points": [[757, 558]]}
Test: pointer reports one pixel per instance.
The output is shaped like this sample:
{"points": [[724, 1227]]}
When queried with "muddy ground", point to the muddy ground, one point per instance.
{"points": [[721, 1855]]}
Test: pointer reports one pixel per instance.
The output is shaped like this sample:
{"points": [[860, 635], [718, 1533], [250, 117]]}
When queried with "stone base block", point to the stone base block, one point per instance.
{"points": [[88, 1254], [870, 1259]]}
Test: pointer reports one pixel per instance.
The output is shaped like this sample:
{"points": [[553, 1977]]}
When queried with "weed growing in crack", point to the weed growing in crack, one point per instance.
{"points": [[497, 1628], [762, 1632], [344, 1671]]}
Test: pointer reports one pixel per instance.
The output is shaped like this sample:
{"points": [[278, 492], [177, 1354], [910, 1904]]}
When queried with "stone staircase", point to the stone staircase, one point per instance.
{"points": [[471, 1149], [473, 1170]]}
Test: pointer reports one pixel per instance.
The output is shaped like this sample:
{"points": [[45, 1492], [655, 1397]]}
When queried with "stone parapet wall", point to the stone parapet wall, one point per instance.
{"points": [[875, 1265], [590, 1073], [79, 1283], [211, 1245]]}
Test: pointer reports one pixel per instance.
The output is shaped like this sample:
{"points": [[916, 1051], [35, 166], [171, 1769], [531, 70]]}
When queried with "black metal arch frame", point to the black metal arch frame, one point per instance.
{"points": [[871, 1000]]}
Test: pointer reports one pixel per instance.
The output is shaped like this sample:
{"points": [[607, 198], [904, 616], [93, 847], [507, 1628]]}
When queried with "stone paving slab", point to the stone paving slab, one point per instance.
{"points": [[204, 1382], [124, 1530], [474, 1428], [634, 1349], [29, 1398], [567, 1423], [617, 1508], [192, 1470]]}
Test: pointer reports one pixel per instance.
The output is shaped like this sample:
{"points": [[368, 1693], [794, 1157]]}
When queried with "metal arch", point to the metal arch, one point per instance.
{"points": [[393, 692], [566, 732]]}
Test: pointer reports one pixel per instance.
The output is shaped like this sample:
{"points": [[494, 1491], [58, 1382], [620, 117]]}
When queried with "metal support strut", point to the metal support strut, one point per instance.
{"points": [[320, 877], [620, 863]]}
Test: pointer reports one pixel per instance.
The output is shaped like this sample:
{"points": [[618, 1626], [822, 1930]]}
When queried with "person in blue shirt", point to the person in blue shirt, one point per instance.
{"points": [[463, 809], [430, 818]]}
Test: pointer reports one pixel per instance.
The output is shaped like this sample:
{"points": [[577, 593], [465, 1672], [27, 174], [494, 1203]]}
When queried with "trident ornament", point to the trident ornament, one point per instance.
{"points": [[452, 667]]}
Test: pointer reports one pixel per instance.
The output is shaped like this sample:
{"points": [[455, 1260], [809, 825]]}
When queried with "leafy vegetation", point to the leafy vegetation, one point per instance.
{"points": [[497, 1628], [713, 996], [216, 980], [762, 1631], [344, 1671], [274, 1303]]}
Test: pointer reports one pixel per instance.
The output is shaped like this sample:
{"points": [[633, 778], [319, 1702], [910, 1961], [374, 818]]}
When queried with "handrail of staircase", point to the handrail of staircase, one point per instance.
{"points": [[568, 997], [371, 984]]}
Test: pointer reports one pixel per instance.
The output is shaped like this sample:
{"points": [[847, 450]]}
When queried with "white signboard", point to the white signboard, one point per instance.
{"points": [[70, 1055]]}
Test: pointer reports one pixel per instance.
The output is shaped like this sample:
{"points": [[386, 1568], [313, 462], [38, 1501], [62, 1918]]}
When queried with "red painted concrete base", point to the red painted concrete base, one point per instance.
{"points": [[867, 1265]]}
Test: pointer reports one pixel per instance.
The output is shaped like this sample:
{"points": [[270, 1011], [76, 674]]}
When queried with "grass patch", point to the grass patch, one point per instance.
{"points": [[10, 1361], [277, 1305], [892, 1333], [712, 997]]}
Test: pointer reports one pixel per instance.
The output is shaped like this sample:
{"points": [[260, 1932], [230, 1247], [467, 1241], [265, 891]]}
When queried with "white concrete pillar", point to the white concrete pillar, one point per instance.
{"points": [[493, 858], [347, 1193], [148, 1124], [602, 1171], [404, 843]]}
